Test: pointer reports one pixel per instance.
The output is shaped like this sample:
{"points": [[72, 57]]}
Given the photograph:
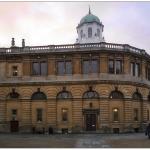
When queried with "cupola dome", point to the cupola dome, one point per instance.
{"points": [[89, 18]]}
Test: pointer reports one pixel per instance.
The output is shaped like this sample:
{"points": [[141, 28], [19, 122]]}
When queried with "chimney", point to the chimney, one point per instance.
{"points": [[23, 42], [13, 42]]}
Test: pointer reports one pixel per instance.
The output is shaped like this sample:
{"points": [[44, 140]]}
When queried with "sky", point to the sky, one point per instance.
{"points": [[48, 23]]}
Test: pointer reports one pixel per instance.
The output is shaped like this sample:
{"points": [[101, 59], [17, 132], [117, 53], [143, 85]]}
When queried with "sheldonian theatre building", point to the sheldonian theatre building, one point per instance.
{"points": [[89, 86]]}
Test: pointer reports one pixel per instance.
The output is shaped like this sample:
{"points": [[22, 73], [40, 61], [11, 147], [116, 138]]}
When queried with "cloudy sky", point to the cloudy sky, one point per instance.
{"points": [[45, 23]]}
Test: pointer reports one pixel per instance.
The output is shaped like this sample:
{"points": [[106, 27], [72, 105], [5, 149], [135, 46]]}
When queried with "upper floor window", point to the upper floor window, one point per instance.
{"points": [[135, 69], [115, 114], [115, 66], [89, 32], [148, 73], [39, 68], [64, 67], [81, 33], [39, 113], [64, 94], [90, 94], [98, 32], [90, 66], [14, 70], [38, 95]]}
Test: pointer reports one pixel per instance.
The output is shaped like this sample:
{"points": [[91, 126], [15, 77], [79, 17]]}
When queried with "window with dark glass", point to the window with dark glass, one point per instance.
{"points": [[14, 114], [137, 96], [115, 66], [39, 68], [116, 95], [111, 66], [115, 114], [98, 32], [89, 32], [64, 95], [148, 73], [148, 115], [64, 114], [90, 66], [118, 66], [15, 70], [39, 114], [81, 34], [135, 69], [64, 67], [38, 95], [13, 94], [136, 114]]}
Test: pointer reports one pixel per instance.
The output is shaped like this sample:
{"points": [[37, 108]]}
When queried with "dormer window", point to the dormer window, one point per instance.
{"points": [[89, 32]]}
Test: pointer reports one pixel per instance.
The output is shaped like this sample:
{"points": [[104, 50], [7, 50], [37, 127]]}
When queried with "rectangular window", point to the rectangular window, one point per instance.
{"points": [[148, 73], [116, 114], [14, 114], [36, 68], [64, 67], [39, 114], [64, 114], [147, 115], [15, 70], [94, 66], [86, 66], [39, 68], [43, 68], [90, 66], [111, 66], [136, 116], [133, 69], [118, 64], [137, 69], [68, 68]]}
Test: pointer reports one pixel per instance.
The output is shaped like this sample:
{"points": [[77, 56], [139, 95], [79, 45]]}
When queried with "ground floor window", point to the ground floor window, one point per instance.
{"points": [[64, 114], [115, 114], [136, 112], [14, 114], [39, 114]]}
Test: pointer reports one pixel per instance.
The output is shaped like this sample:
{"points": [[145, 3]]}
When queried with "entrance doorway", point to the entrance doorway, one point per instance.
{"points": [[91, 120], [14, 126]]}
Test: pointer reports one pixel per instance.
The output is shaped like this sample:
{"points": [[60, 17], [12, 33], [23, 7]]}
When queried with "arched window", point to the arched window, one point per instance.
{"points": [[115, 114], [137, 96], [13, 94], [64, 95], [89, 32], [116, 95], [98, 32], [81, 33], [39, 95], [90, 94]]}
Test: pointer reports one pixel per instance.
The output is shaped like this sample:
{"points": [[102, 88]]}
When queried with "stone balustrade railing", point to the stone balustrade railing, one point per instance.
{"points": [[71, 47]]}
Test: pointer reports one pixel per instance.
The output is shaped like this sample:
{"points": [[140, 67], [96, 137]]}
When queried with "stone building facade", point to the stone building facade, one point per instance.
{"points": [[84, 87]]}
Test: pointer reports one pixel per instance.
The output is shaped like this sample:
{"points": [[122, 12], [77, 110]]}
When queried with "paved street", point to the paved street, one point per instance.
{"points": [[136, 140]]}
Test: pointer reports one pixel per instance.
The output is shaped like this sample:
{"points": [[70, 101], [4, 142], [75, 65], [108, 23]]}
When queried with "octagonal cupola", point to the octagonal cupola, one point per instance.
{"points": [[90, 29]]}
